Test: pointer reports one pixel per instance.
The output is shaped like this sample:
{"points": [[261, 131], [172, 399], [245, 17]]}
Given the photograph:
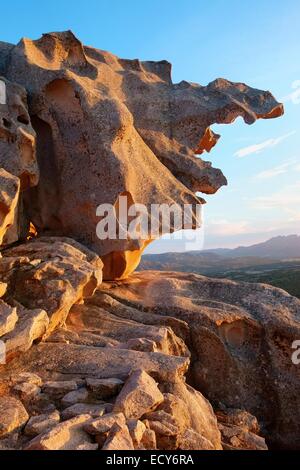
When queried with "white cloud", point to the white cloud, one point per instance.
{"points": [[277, 170], [294, 96], [226, 230], [257, 148], [285, 200], [226, 227]]}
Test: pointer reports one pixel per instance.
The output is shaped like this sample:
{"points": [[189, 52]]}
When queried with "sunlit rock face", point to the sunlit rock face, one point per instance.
{"points": [[9, 196], [17, 137], [17, 155], [108, 127]]}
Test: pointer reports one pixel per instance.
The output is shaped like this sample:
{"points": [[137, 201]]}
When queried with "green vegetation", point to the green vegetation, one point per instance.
{"points": [[279, 273], [287, 279]]}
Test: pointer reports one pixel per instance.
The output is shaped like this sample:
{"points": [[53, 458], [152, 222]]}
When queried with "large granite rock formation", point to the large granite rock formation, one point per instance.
{"points": [[126, 364], [107, 127], [9, 198], [17, 155]]}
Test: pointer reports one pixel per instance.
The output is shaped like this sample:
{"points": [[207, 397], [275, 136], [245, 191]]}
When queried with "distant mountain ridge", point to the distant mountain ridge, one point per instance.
{"points": [[281, 247], [277, 248]]}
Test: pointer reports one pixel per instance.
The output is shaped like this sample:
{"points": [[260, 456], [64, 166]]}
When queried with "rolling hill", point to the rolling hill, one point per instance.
{"points": [[275, 262]]}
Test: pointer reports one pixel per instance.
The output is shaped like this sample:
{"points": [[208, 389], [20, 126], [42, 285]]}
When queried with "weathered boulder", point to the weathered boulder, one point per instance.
{"points": [[191, 440], [77, 396], [104, 424], [237, 417], [17, 156], [104, 300], [26, 391], [30, 326], [124, 333], [60, 360], [118, 438], [13, 415], [41, 423], [236, 437], [178, 409], [27, 377], [64, 436], [148, 441], [8, 318], [202, 417], [123, 123], [50, 274], [136, 429], [239, 430], [139, 395], [104, 388], [57, 389], [243, 332], [94, 410], [9, 198], [17, 136], [166, 430]]}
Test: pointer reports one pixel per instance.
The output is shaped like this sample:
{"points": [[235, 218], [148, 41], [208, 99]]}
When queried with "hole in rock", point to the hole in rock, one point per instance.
{"points": [[6, 123], [23, 119]]}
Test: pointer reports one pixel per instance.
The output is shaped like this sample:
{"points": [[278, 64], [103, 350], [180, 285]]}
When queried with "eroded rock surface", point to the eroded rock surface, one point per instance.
{"points": [[17, 136], [139, 395], [13, 415], [160, 360], [51, 274], [107, 127], [241, 337], [9, 199], [64, 436]]}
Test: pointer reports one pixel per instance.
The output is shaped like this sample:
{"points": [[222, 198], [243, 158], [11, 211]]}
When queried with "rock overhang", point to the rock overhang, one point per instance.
{"points": [[106, 126]]}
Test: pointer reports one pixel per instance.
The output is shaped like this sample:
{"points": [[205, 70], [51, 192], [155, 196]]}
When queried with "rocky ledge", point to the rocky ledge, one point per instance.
{"points": [[160, 361]]}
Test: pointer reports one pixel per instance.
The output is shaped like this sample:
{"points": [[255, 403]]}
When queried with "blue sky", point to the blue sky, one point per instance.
{"points": [[256, 42]]}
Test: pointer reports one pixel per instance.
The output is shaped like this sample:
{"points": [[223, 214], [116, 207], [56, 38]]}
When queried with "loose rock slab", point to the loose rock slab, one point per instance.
{"points": [[95, 141], [41, 423], [139, 395], [238, 329], [118, 439], [52, 360], [67, 435], [9, 198], [13, 415], [51, 274], [104, 388]]}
